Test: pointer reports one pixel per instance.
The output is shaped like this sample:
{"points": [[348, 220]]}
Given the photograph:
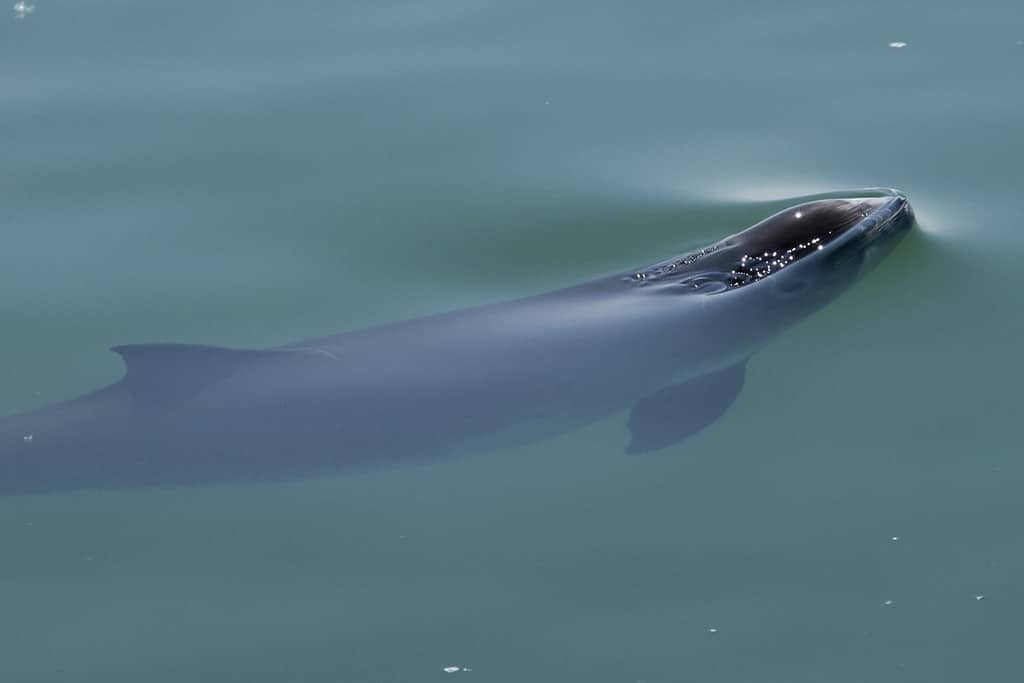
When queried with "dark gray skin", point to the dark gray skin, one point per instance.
{"points": [[669, 341]]}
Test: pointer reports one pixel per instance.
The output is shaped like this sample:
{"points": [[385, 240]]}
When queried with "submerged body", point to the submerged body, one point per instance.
{"points": [[669, 341]]}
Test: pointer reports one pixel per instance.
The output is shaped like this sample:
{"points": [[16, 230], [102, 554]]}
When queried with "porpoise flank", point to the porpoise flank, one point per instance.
{"points": [[669, 341]]}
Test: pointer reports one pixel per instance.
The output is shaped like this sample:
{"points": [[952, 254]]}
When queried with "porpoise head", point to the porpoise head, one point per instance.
{"points": [[817, 248], [804, 245], [756, 282]]}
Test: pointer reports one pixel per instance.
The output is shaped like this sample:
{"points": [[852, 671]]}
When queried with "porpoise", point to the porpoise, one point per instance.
{"points": [[669, 342]]}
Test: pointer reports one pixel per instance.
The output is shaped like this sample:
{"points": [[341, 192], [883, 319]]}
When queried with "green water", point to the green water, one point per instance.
{"points": [[250, 174]]}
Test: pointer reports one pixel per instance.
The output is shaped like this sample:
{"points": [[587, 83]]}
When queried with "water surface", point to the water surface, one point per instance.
{"points": [[249, 174]]}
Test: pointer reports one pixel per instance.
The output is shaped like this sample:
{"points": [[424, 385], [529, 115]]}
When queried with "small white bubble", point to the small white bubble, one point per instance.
{"points": [[799, 214], [979, 598], [23, 9], [888, 603], [894, 539], [456, 669], [712, 630], [897, 44], [28, 438]]}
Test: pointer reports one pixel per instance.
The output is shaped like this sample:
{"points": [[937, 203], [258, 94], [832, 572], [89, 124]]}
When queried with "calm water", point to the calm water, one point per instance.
{"points": [[249, 174]]}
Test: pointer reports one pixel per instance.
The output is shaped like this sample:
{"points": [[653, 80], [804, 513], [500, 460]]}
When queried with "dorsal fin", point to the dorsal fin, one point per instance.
{"points": [[158, 375]]}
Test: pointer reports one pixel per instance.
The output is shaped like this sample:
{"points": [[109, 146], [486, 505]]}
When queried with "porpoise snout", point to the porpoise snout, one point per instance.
{"points": [[890, 217]]}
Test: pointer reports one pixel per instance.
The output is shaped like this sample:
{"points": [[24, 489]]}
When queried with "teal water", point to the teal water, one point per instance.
{"points": [[249, 174]]}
